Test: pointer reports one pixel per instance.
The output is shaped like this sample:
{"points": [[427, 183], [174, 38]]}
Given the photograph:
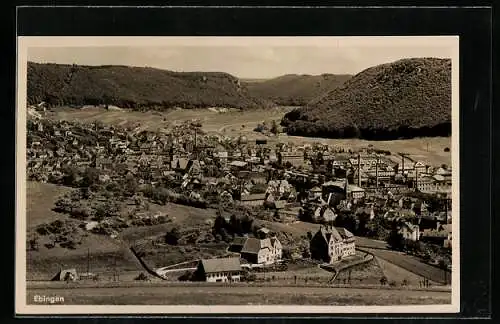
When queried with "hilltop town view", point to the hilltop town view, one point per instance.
{"points": [[149, 186]]}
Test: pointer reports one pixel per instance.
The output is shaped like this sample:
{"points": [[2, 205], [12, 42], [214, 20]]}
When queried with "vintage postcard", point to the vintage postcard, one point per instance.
{"points": [[177, 175]]}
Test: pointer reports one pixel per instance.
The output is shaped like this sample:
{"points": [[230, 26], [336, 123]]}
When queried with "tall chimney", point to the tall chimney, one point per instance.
{"points": [[376, 173], [403, 164], [416, 179], [359, 170]]}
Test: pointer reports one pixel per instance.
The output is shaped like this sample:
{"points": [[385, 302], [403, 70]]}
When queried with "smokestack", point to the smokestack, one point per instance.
{"points": [[403, 164], [416, 179], [376, 173], [359, 170]]}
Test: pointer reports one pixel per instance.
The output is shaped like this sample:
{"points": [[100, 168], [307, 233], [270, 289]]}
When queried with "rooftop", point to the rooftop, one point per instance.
{"points": [[220, 265], [253, 197]]}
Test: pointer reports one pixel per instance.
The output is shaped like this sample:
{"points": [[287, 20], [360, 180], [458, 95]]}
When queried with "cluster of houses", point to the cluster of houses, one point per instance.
{"points": [[185, 151], [329, 245], [255, 173], [441, 234]]}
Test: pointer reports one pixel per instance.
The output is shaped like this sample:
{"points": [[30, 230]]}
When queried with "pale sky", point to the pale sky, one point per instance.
{"points": [[240, 61]]}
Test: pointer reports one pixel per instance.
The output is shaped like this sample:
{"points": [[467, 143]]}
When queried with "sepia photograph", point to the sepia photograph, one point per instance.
{"points": [[237, 175]]}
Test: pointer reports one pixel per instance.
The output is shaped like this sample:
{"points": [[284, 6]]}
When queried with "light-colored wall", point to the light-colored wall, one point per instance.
{"points": [[253, 202], [265, 256], [357, 195], [409, 235], [335, 250], [349, 249], [213, 277]]}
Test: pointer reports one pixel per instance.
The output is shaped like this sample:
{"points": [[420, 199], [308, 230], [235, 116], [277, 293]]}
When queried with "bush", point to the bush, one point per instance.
{"points": [[141, 277], [258, 188], [260, 128], [33, 243], [248, 277], [69, 244], [186, 276], [172, 237], [81, 213]]}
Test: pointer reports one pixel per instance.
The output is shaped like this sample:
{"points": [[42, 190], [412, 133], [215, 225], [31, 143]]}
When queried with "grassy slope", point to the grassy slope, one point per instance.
{"points": [[106, 254], [377, 101], [40, 199], [398, 274], [295, 90], [42, 264]]}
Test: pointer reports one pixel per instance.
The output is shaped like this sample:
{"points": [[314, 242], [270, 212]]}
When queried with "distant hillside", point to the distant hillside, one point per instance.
{"points": [[404, 99], [293, 89], [135, 87]]}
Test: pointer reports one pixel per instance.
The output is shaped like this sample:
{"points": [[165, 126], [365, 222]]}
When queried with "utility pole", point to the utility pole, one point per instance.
{"points": [[115, 274], [88, 261]]}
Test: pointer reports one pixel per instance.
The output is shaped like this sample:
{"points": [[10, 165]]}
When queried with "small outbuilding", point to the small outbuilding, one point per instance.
{"points": [[66, 275]]}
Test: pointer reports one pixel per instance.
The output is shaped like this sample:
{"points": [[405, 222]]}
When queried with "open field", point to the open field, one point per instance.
{"points": [[237, 122], [107, 255], [412, 264], [394, 273], [360, 275], [182, 216], [40, 199], [200, 294]]}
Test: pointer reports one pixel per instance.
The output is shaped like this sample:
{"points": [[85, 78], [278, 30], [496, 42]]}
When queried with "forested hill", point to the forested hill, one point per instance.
{"points": [[404, 99], [295, 90], [136, 87]]}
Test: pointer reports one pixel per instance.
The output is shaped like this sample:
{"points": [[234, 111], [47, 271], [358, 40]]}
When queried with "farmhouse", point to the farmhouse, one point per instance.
{"points": [[219, 270], [409, 231], [331, 244], [262, 251]]}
